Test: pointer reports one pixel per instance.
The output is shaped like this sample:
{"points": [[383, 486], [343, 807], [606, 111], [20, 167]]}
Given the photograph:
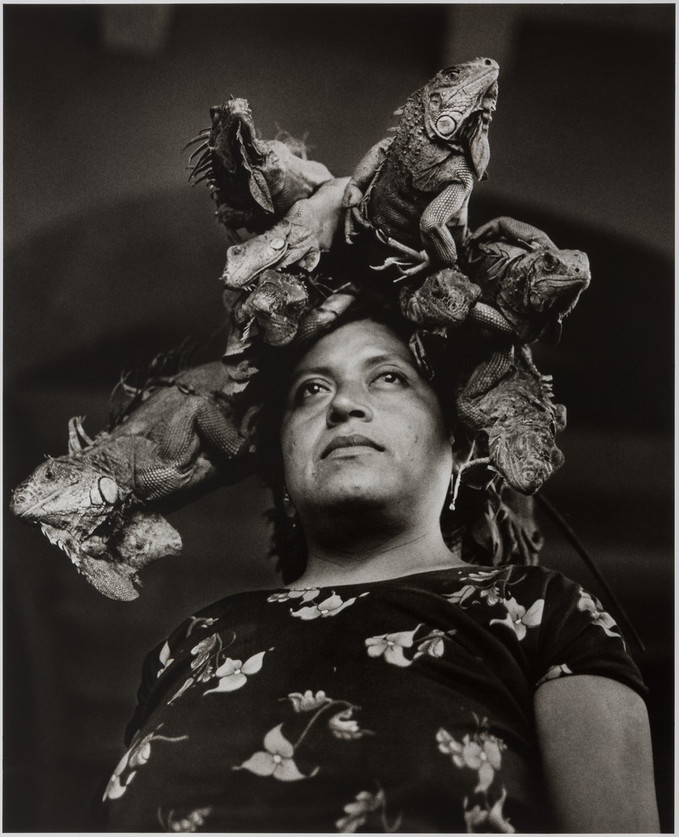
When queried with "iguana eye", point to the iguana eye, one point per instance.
{"points": [[445, 125], [549, 262]]}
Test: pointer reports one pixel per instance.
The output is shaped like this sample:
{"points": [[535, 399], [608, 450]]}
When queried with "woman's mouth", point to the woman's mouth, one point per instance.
{"points": [[353, 441]]}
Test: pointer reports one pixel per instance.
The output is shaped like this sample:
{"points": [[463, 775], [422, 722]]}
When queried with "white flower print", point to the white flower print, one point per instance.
{"points": [[210, 662], [197, 622], [589, 604], [305, 594], [484, 575], [359, 809], [328, 607], [164, 658], [343, 725], [490, 585], [187, 824], [202, 653], [553, 672], [233, 674], [391, 646], [205, 654], [308, 701], [138, 754], [518, 618], [434, 644], [460, 596], [484, 820], [482, 753], [276, 759], [493, 595]]}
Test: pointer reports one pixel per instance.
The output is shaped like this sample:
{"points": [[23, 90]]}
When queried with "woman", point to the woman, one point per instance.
{"points": [[391, 686]]}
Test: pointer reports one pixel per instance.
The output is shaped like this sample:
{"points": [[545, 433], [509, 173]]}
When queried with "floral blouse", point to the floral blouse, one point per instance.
{"points": [[398, 705]]}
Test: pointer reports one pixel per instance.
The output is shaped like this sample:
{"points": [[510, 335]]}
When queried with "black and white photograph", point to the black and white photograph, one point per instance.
{"points": [[338, 417]]}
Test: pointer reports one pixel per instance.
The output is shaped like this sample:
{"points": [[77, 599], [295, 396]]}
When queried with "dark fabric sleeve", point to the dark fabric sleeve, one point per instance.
{"points": [[577, 636], [149, 672], [151, 668]]}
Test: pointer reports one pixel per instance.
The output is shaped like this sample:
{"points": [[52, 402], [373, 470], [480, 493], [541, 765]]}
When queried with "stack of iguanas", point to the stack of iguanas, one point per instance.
{"points": [[403, 216]]}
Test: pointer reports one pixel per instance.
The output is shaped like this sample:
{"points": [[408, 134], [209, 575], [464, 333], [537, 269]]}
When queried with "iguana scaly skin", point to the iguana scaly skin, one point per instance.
{"points": [[444, 298], [509, 401], [525, 277], [276, 305], [412, 191], [306, 230], [253, 181], [92, 501], [322, 317]]}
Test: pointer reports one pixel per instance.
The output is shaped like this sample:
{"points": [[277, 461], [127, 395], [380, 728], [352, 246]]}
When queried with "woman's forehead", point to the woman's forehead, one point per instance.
{"points": [[356, 342]]}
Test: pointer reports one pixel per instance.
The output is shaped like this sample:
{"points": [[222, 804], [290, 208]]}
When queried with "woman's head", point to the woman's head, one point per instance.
{"points": [[490, 522], [362, 431]]}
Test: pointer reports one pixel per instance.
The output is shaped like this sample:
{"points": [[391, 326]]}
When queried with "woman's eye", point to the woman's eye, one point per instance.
{"points": [[391, 377], [309, 389]]}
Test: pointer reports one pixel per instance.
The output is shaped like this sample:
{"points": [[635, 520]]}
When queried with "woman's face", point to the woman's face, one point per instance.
{"points": [[362, 429]]}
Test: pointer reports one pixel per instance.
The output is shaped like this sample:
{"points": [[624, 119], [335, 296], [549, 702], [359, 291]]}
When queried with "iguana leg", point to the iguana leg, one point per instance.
{"points": [[417, 260], [199, 419], [515, 231], [359, 182], [487, 317], [449, 206], [364, 173]]}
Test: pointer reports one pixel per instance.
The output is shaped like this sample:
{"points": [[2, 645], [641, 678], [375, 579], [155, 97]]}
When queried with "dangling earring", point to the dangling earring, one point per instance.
{"points": [[289, 509]]}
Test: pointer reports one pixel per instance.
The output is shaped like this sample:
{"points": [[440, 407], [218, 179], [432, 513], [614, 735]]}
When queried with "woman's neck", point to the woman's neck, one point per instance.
{"points": [[377, 559]]}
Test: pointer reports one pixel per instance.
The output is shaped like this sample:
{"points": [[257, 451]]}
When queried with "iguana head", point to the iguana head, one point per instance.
{"points": [[246, 260], [444, 298], [521, 442], [525, 454], [233, 137], [81, 508], [458, 104], [65, 490], [542, 287], [277, 303]]}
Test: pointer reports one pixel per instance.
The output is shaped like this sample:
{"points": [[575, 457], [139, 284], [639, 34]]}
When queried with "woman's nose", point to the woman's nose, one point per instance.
{"points": [[348, 402]]}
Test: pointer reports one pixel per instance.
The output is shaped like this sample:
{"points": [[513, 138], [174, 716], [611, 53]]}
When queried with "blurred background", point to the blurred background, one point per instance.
{"points": [[111, 256]]}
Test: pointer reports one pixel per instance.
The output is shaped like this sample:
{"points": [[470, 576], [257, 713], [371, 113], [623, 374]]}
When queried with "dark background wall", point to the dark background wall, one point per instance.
{"points": [[110, 257]]}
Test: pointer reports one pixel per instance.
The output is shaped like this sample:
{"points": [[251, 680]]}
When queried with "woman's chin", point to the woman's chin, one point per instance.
{"points": [[353, 495]]}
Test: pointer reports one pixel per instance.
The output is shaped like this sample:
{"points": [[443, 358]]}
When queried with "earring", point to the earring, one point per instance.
{"points": [[289, 509]]}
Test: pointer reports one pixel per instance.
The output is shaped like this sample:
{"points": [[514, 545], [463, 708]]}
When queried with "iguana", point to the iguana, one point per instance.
{"points": [[516, 284], [322, 317], [444, 298], [253, 181], [412, 191], [305, 231], [525, 277], [276, 305], [93, 502], [507, 401]]}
